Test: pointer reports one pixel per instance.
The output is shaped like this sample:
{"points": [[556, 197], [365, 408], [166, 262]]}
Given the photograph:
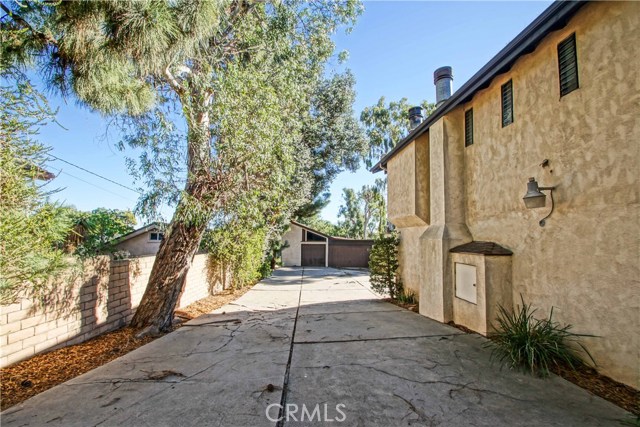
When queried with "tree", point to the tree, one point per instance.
{"points": [[32, 230], [383, 265], [101, 226], [364, 212], [386, 125], [374, 208], [238, 75], [333, 136]]}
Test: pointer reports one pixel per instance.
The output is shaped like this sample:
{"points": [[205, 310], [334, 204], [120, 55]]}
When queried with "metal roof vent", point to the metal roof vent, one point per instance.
{"points": [[416, 116], [443, 79]]}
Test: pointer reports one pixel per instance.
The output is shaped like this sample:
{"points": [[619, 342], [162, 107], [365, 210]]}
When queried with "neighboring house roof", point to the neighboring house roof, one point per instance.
{"points": [[150, 227], [306, 227], [553, 18], [483, 248]]}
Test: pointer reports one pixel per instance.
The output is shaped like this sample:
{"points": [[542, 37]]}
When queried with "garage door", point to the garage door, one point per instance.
{"points": [[313, 255], [354, 255]]}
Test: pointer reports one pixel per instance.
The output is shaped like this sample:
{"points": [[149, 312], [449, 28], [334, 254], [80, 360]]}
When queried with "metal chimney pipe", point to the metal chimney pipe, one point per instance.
{"points": [[416, 116], [443, 79]]}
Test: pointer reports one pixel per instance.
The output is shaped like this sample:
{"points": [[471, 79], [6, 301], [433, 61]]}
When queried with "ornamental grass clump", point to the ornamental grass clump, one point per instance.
{"points": [[535, 345]]}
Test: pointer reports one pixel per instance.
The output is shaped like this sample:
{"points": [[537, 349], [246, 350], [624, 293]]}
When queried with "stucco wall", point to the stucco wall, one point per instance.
{"points": [[409, 208], [585, 261], [408, 185], [140, 245], [411, 258], [291, 254]]}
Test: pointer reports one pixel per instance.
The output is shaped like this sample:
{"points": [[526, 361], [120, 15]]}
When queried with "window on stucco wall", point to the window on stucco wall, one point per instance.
{"points": [[568, 65], [468, 127], [506, 92]]}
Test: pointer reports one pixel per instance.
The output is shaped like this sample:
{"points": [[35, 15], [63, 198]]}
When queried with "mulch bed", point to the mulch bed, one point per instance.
{"points": [[210, 303], [25, 379], [588, 378]]}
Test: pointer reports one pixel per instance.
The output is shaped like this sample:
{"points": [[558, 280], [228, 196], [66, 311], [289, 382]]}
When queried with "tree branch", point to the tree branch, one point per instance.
{"points": [[47, 38], [175, 84]]}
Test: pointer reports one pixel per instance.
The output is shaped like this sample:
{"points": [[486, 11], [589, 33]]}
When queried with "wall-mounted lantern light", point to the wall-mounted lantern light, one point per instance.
{"points": [[535, 198]]}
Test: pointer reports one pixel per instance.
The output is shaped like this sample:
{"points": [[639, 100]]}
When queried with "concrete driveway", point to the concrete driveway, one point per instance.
{"points": [[343, 357]]}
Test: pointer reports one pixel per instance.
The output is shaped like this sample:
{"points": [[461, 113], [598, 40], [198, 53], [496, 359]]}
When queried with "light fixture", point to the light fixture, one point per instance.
{"points": [[535, 198]]}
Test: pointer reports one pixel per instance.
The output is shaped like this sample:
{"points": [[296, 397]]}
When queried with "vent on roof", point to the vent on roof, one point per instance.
{"points": [[568, 65], [507, 103], [416, 116], [468, 127], [443, 79]]}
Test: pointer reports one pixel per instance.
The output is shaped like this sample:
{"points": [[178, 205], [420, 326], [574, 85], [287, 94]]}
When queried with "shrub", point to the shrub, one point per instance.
{"points": [[383, 265], [407, 297], [32, 229], [534, 344], [240, 249]]}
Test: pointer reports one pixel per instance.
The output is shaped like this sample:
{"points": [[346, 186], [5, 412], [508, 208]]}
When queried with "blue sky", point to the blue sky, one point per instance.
{"points": [[393, 51]]}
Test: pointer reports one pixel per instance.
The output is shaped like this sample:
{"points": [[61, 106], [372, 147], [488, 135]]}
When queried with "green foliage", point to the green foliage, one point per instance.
{"points": [[534, 345], [351, 212], [333, 136], [227, 102], [383, 265], [406, 297], [101, 226], [31, 229], [364, 213], [240, 249], [386, 125], [220, 95]]}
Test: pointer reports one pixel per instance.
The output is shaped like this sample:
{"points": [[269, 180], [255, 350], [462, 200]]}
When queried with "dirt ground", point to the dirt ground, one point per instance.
{"points": [[25, 379]]}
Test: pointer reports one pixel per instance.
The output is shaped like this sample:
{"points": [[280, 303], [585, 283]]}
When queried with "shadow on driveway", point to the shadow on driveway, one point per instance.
{"points": [[341, 355]]}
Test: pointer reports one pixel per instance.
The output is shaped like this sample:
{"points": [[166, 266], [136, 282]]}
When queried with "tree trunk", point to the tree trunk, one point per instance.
{"points": [[169, 272], [155, 313]]}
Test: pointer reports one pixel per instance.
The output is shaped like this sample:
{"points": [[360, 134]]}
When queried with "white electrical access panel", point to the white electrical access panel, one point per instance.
{"points": [[466, 281]]}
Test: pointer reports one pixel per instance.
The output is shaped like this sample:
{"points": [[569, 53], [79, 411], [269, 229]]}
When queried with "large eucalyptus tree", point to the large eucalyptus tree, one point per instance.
{"points": [[216, 93]]}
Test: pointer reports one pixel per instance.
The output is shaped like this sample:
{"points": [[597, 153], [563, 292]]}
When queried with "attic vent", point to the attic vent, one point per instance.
{"points": [[507, 103], [568, 65], [468, 127]]}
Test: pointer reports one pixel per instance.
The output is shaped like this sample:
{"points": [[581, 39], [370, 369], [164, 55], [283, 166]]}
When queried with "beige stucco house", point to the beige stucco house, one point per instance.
{"points": [[561, 104], [144, 241]]}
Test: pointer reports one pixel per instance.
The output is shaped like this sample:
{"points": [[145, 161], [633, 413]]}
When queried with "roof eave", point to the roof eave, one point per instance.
{"points": [[553, 18]]}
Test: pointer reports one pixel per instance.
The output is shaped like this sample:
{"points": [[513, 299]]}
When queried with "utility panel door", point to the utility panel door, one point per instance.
{"points": [[313, 255], [466, 282]]}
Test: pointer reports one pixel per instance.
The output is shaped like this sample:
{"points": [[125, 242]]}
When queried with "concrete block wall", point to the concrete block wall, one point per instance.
{"points": [[197, 286], [101, 298]]}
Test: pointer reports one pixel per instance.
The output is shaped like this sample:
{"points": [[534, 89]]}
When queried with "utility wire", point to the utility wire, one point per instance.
{"points": [[97, 186], [93, 173]]}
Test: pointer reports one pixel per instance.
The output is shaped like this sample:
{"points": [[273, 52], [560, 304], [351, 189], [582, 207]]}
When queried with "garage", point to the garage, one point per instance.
{"points": [[349, 252], [313, 255], [304, 246]]}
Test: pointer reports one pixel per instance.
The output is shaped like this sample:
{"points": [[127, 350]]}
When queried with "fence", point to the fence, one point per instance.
{"points": [[102, 298]]}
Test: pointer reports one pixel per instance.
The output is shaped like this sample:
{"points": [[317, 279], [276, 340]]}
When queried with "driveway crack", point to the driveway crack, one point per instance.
{"points": [[285, 384]]}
